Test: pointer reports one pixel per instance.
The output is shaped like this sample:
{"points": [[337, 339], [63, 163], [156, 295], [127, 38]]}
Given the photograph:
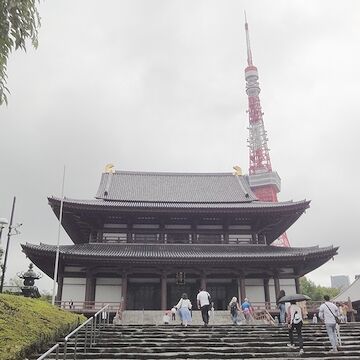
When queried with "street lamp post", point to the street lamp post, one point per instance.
{"points": [[3, 223], [7, 246]]}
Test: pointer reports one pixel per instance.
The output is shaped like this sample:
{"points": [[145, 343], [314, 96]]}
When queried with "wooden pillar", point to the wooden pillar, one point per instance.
{"points": [[226, 232], [124, 281], [241, 288], [261, 239], [276, 285], [297, 285], [162, 232], [194, 232], [90, 289], [254, 238], [163, 291], [203, 280], [267, 293]]}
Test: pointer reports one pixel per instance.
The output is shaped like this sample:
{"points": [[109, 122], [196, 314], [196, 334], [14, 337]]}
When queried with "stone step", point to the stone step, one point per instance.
{"points": [[200, 348], [217, 355], [328, 357], [152, 342]]}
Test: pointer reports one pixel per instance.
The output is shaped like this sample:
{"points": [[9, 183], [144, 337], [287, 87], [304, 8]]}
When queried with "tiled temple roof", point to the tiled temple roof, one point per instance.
{"points": [[100, 203], [224, 256], [178, 251], [174, 187], [126, 194]]}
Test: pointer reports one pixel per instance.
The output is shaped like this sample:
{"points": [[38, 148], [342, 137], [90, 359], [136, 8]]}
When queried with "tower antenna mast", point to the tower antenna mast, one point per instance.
{"points": [[264, 182]]}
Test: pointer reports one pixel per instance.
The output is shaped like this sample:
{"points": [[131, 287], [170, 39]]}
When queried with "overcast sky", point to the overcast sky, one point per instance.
{"points": [[159, 86]]}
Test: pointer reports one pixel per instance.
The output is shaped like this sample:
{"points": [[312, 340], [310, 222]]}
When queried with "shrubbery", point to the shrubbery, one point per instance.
{"points": [[316, 292], [27, 325]]}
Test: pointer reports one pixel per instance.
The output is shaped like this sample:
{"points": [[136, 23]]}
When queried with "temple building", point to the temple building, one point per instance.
{"points": [[148, 237]]}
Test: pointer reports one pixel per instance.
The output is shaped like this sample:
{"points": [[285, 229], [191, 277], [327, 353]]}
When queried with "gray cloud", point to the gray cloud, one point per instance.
{"points": [[159, 85]]}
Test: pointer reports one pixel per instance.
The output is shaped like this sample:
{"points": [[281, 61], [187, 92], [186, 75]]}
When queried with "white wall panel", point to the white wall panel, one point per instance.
{"points": [[73, 289], [108, 290], [288, 285], [255, 293]]}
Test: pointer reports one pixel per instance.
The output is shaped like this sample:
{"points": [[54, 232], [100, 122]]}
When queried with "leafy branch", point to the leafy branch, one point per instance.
{"points": [[19, 21]]}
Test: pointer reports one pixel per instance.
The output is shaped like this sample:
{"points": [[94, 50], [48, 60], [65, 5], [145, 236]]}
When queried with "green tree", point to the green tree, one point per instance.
{"points": [[316, 292], [19, 21]]}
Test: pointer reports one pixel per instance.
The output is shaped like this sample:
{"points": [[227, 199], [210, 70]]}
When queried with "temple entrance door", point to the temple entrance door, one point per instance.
{"points": [[143, 296], [175, 291], [221, 294]]}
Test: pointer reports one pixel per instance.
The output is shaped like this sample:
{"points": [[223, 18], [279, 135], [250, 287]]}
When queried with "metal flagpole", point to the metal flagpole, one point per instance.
{"points": [[7, 245], [58, 240]]}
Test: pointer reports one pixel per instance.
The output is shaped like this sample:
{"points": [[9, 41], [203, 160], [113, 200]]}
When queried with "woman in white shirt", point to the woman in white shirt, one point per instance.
{"points": [[184, 306]]}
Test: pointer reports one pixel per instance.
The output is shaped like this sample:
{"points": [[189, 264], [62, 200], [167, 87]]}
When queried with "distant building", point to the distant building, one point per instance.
{"points": [[340, 281]]}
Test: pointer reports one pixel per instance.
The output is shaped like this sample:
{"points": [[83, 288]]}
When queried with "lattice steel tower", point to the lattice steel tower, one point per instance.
{"points": [[264, 182]]}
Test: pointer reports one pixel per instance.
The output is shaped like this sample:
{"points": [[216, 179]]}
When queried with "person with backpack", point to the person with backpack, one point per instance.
{"points": [[329, 314], [295, 321], [234, 308], [247, 310]]}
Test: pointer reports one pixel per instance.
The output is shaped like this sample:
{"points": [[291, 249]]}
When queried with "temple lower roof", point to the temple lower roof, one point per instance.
{"points": [[43, 255]]}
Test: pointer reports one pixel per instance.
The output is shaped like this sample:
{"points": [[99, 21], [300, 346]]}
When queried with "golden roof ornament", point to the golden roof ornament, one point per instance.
{"points": [[109, 168], [238, 171]]}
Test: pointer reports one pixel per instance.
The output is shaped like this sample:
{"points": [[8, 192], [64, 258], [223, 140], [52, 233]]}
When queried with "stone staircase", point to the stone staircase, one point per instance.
{"points": [[150, 342]]}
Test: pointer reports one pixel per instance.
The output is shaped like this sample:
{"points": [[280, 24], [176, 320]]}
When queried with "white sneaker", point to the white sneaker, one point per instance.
{"points": [[292, 346]]}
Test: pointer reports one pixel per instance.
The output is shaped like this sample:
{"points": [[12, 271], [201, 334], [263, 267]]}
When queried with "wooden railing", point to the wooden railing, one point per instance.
{"points": [[263, 315], [88, 306]]}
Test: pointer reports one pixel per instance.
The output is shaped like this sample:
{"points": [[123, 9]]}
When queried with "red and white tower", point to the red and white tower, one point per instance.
{"points": [[264, 182]]}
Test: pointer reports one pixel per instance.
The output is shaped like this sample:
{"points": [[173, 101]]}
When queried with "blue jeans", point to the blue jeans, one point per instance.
{"points": [[282, 313], [331, 331], [235, 317]]}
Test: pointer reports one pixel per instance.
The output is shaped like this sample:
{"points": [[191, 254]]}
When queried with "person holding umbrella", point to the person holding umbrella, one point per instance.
{"points": [[294, 318]]}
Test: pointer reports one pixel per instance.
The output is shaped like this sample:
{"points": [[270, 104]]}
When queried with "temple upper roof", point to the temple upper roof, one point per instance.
{"points": [[127, 197], [101, 203], [174, 187]]}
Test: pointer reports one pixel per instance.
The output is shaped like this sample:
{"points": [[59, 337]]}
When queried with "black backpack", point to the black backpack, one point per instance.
{"points": [[233, 308]]}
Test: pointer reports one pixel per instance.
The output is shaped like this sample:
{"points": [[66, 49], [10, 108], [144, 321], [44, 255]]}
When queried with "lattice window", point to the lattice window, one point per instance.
{"points": [[114, 237], [178, 238], [240, 238], [210, 238], [146, 238]]}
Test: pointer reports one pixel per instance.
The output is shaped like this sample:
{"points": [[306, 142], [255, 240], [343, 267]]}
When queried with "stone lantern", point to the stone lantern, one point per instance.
{"points": [[29, 276]]}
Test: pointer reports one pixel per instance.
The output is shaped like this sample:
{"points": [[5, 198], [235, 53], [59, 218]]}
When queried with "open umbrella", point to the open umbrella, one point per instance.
{"points": [[294, 297]]}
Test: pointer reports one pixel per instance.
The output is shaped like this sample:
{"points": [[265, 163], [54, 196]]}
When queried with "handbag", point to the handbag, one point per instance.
{"points": [[337, 320]]}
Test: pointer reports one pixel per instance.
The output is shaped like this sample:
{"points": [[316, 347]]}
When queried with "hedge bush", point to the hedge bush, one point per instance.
{"points": [[28, 325]]}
